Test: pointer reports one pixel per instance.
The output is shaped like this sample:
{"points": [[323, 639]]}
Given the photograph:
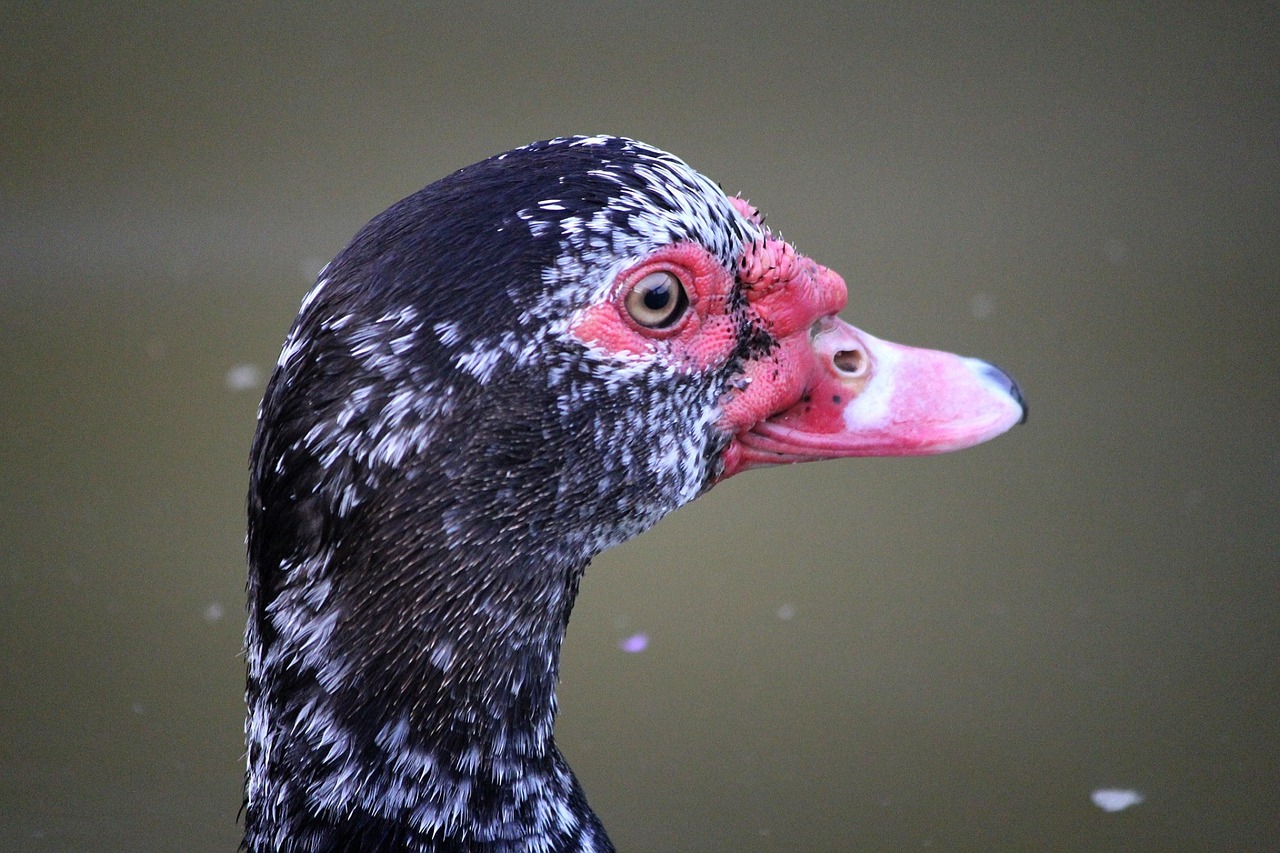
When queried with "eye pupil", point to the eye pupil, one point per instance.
{"points": [[657, 297], [658, 300]]}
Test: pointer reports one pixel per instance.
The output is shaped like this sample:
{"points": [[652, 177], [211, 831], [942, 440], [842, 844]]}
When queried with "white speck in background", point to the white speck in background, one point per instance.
{"points": [[213, 612], [981, 305], [244, 377], [786, 611], [1116, 251], [311, 268], [1116, 799], [634, 644]]}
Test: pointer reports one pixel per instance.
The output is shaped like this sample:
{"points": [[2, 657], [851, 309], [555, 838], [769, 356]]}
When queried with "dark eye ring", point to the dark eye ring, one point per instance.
{"points": [[658, 300]]}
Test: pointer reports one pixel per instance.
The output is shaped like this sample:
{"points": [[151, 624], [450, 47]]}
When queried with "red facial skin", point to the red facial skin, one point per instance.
{"points": [[825, 389], [701, 339]]}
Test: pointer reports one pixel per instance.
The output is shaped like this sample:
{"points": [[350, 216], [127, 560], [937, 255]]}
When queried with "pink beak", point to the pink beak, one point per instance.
{"points": [[863, 396]]}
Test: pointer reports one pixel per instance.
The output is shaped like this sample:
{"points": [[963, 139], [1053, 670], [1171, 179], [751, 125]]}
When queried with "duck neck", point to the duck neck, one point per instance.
{"points": [[411, 696], [415, 551]]}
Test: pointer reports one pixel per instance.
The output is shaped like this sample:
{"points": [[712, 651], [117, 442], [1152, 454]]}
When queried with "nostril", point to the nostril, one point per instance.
{"points": [[851, 361]]}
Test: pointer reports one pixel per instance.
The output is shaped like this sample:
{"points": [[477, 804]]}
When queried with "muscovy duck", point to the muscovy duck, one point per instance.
{"points": [[502, 375]]}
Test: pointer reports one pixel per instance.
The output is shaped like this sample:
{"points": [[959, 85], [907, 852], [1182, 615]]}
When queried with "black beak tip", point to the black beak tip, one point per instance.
{"points": [[1006, 382]]}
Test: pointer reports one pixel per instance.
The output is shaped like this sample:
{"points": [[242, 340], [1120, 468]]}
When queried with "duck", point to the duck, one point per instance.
{"points": [[502, 375]]}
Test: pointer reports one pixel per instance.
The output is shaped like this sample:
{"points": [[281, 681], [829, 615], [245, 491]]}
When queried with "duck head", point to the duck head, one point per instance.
{"points": [[502, 375]]}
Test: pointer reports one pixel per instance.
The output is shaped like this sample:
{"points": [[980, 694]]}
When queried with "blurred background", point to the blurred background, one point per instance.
{"points": [[954, 653]]}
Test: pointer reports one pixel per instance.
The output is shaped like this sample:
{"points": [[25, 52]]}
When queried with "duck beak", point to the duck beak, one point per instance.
{"points": [[862, 396]]}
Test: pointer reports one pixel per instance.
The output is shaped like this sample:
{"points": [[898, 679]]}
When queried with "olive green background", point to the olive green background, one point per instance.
{"points": [[947, 653]]}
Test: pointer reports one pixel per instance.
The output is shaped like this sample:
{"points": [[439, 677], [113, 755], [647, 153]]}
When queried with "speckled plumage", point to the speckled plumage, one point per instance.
{"points": [[437, 460], [502, 375]]}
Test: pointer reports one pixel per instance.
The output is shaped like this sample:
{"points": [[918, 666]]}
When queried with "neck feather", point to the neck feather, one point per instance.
{"points": [[403, 694]]}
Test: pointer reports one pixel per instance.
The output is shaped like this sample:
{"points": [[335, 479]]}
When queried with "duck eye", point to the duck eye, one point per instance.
{"points": [[658, 300]]}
